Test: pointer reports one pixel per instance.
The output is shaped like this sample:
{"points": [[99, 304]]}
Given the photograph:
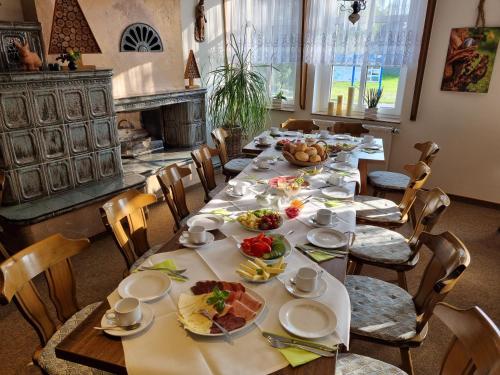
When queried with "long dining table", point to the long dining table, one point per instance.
{"points": [[142, 354]]}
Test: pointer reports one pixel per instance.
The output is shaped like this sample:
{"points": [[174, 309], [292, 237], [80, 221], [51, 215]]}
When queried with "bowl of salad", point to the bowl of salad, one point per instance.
{"points": [[261, 220]]}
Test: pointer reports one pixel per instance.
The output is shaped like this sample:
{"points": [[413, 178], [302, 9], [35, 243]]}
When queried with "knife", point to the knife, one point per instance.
{"points": [[290, 340]]}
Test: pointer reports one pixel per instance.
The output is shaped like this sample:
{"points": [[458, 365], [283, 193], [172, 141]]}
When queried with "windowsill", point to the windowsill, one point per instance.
{"points": [[288, 108], [381, 117]]}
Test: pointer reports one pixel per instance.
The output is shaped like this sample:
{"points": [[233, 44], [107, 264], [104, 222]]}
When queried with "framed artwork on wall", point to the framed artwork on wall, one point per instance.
{"points": [[470, 59]]}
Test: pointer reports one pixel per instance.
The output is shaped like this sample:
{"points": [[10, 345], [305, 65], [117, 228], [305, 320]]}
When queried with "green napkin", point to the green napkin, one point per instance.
{"points": [[320, 255], [170, 264], [297, 356], [332, 203], [226, 215]]}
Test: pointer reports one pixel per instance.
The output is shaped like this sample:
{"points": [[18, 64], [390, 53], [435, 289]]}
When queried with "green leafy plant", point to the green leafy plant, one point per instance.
{"points": [[372, 97], [218, 299], [239, 97], [279, 96]]}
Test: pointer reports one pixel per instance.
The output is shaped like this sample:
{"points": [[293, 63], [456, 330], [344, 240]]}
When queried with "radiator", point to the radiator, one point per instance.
{"points": [[386, 133]]}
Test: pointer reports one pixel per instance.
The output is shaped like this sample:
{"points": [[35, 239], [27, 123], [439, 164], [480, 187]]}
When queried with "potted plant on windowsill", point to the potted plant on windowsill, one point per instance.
{"points": [[238, 102], [372, 98], [278, 99]]}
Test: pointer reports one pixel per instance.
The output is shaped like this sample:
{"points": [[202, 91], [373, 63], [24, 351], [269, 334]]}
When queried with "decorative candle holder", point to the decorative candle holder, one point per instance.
{"points": [[339, 105], [331, 108], [350, 99]]}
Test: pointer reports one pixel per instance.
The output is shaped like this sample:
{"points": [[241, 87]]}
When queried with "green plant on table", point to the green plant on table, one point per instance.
{"points": [[279, 96]]}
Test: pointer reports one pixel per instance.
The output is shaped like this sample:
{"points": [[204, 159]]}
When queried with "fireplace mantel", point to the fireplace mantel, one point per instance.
{"points": [[157, 99]]}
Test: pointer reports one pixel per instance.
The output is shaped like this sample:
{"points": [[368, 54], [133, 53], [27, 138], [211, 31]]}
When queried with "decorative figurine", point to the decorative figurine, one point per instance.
{"points": [[191, 71], [201, 20], [30, 60]]}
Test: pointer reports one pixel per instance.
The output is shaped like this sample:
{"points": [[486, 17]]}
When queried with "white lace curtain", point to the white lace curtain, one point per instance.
{"points": [[385, 35], [271, 28]]}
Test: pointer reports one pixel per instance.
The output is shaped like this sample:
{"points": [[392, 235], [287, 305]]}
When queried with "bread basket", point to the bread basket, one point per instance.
{"points": [[291, 159]]}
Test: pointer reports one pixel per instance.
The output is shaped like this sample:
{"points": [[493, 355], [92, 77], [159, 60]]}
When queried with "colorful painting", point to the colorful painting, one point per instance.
{"points": [[470, 59]]}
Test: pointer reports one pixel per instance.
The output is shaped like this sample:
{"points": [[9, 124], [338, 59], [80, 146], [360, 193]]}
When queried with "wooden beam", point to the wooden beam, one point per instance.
{"points": [[422, 59], [302, 66]]}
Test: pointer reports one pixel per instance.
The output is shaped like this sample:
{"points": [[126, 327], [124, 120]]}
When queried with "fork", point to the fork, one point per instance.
{"points": [[281, 345], [224, 331]]}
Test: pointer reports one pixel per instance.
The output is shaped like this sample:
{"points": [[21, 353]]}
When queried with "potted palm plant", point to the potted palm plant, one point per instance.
{"points": [[372, 98], [238, 102]]}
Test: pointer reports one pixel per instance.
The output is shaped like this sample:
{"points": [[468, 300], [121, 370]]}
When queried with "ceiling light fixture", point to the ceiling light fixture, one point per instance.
{"points": [[354, 6]]}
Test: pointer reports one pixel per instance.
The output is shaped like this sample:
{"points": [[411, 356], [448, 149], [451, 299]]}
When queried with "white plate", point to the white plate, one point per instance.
{"points": [[146, 320], [307, 318], [207, 221], [253, 294], [312, 221], [327, 238], [345, 137], [320, 290], [288, 251], [372, 147], [337, 192], [145, 285], [342, 166], [229, 191], [255, 167], [186, 243]]}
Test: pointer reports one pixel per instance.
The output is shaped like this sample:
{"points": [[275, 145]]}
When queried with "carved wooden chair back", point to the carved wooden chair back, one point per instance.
{"points": [[435, 204], [353, 128], [219, 136], [419, 173], [307, 126], [202, 158], [449, 260], [475, 347], [2, 184], [125, 217], [429, 151], [50, 256], [170, 180]]}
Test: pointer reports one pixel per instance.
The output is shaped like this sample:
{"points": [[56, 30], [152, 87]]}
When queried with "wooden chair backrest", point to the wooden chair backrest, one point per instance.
{"points": [[307, 126], [435, 204], [419, 173], [449, 260], [475, 347], [170, 180], [125, 217], [2, 185], [50, 256], [202, 158], [219, 136], [428, 151], [353, 128]]}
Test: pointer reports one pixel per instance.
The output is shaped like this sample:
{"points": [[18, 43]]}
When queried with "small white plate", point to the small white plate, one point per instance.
{"points": [[230, 192], [307, 318], [145, 285], [342, 166], [207, 221], [255, 167], [320, 290], [327, 238], [146, 320], [345, 137], [337, 192], [312, 221], [370, 146], [186, 243]]}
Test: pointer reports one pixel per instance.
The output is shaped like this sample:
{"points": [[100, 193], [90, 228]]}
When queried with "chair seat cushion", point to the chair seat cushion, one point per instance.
{"points": [[380, 309], [237, 165], [376, 209], [388, 180], [145, 256], [55, 366], [355, 364], [381, 245]]}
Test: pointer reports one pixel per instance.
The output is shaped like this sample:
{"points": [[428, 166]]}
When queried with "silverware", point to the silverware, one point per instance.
{"points": [[167, 270], [152, 268], [225, 332], [289, 340], [119, 328], [281, 345]]}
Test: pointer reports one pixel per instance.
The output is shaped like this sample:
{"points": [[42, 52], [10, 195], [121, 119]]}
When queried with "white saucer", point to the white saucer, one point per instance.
{"points": [[370, 146], [320, 290], [229, 191], [145, 285], [146, 320], [345, 137], [342, 166], [186, 243], [337, 192], [207, 221], [312, 221], [327, 238], [255, 167], [307, 318]]}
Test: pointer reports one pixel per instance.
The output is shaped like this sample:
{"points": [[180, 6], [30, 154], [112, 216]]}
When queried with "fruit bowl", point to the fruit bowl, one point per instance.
{"points": [[262, 220], [287, 185]]}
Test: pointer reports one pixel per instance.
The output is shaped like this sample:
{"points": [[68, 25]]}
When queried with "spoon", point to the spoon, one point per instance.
{"points": [[122, 328], [281, 345]]}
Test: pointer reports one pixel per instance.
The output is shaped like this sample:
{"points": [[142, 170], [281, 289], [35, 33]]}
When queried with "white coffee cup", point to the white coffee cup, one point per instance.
{"points": [[307, 279], [324, 216], [275, 130], [343, 156], [239, 187], [262, 163], [263, 140], [336, 179], [196, 234], [324, 133], [368, 139], [125, 312]]}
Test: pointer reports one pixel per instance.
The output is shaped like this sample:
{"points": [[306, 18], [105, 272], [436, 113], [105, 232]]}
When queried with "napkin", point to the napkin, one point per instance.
{"points": [[297, 357], [320, 255], [170, 264], [332, 203], [226, 215]]}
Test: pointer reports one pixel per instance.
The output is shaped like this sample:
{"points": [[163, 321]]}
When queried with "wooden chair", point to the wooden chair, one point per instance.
{"points": [[230, 168], [386, 213], [125, 217], [356, 129], [307, 126], [170, 180], [51, 257], [384, 313], [388, 249], [475, 347], [202, 158], [385, 181]]}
